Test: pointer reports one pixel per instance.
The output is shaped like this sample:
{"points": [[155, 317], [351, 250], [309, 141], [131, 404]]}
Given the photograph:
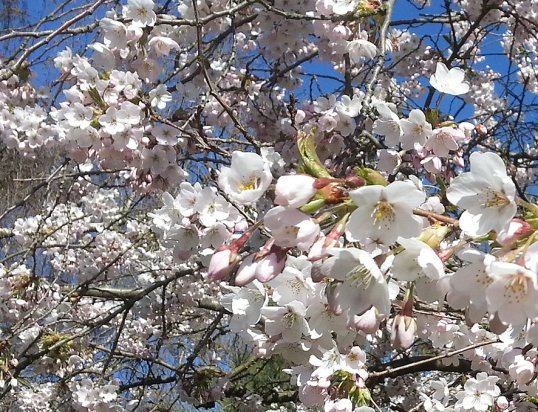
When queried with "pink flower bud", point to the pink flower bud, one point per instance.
{"points": [[294, 190], [246, 272], [222, 264], [481, 129], [226, 258], [265, 265], [517, 229], [320, 247], [271, 265], [404, 329]]}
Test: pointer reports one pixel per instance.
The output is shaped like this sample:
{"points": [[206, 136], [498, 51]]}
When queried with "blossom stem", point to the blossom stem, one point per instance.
{"points": [[388, 371], [436, 216]]}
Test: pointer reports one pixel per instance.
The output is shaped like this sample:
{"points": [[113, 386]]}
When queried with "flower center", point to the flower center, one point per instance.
{"points": [[516, 287], [250, 184], [289, 319], [496, 199], [384, 211], [360, 276]]}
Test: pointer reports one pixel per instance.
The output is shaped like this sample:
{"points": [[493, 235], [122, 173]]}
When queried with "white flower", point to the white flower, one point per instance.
{"points": [[388, 125], [211, 207], [162, 45], [349, 107], [159, 97], [449, 81], [167, 135], [115, 33], [141, 12], [291, 228], [79, 115], [247, 179], [343, 6], [360, 48], [110, 122], [294, 190], [245, 303], [469, 283], [384, 213], [479, 393], [288, 321], [340, 405], [294, 283], [389, 160], [445, 139], [513, 292], [129, 113], [486, 192], [521, 370], [363, 284], [415, 261], [187, 198], [415, 130]]}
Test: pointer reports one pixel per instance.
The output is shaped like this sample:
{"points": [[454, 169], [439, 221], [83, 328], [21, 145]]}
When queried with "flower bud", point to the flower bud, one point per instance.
{"points": [[222, 263], [294, 190], [434, 235], [404, 329], [226, 258], [481, 129], [517, 229]]}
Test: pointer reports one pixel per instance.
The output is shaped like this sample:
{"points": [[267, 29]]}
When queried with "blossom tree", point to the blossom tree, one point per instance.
{"points": [[266, 205]]}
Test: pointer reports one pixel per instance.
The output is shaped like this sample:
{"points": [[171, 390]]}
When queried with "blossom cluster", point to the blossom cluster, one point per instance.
{"points": [[371, 233]]}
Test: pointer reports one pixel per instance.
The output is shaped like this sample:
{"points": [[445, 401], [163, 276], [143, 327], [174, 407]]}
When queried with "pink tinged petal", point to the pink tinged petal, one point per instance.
{"points": [[246, 272], [269, 267]]}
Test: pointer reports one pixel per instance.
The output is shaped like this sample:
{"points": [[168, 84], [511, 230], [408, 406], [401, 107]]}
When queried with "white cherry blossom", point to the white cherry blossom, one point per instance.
{"points": [[513, 292], [416, 130], [360, 49], [291, 228], [141, 12], [487, 194], [415, 261], [449, 81], [247, 179], [294, 190], [288, 321], [385, 213]]}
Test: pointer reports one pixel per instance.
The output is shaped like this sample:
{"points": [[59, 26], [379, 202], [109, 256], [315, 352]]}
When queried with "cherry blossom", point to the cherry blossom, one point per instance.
{"points": [[247, 178], [391, 265], [487, 194], [141, 12], [384, 213], [449, 81]]}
